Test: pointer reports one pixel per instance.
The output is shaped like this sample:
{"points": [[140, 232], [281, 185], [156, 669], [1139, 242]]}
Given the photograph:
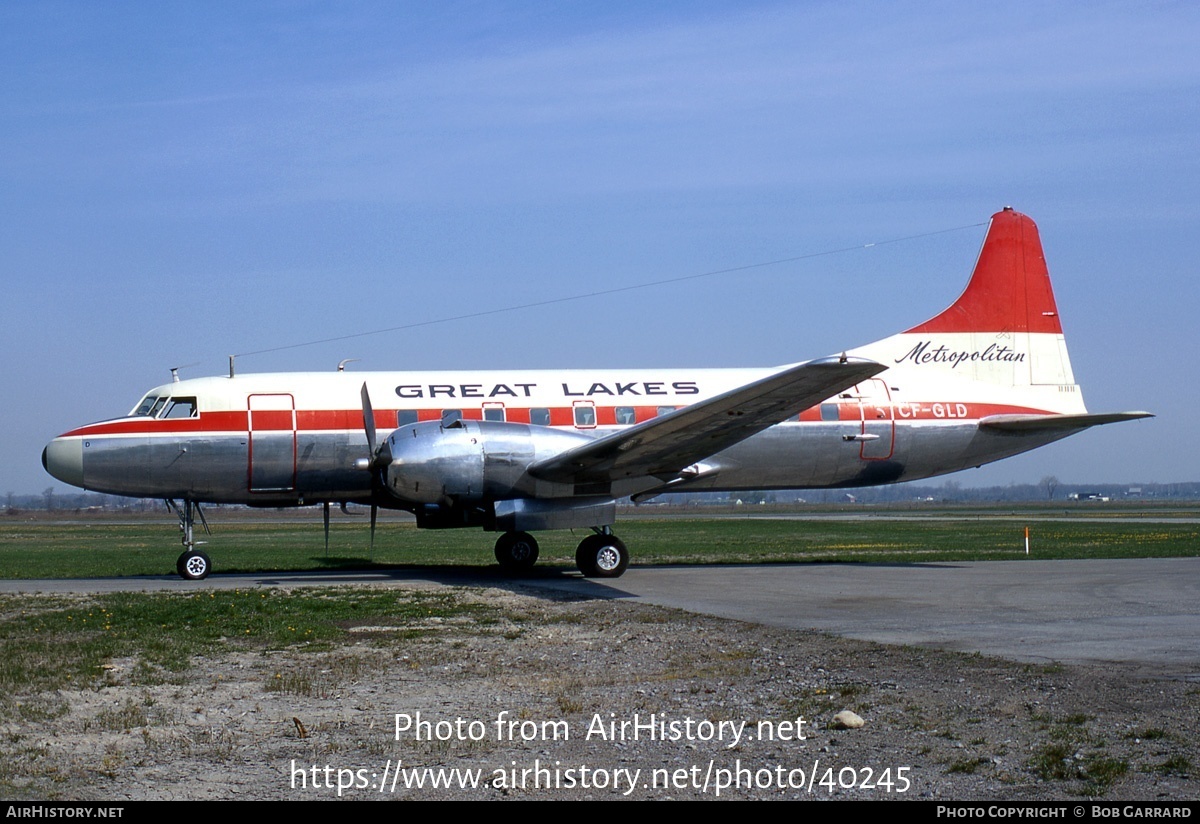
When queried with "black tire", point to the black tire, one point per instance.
{"points": [[193, 565], [602, 556], [516, 551]]}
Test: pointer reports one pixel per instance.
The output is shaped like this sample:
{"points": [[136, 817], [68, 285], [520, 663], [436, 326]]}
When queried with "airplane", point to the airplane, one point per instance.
{"points": [[515, 451]]}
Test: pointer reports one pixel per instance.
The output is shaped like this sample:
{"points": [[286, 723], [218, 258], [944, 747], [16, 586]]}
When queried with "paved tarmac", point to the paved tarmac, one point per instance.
{"points": [[1144, 612], [1141, 612]]}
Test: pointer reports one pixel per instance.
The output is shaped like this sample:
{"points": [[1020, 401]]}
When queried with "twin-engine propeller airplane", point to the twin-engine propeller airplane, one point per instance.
{"points": [[517, 451]]}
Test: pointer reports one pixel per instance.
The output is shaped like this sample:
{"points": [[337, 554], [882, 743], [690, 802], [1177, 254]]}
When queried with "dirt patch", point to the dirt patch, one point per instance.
{"points": [[604, 699]]}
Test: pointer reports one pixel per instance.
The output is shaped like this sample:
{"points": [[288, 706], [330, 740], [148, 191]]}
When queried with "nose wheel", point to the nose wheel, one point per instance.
{"points": [[193, 565]]}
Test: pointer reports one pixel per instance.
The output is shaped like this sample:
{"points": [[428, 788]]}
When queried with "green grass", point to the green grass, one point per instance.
{"points": [[967, 766], [79, 549], [1073, 752], [50, 643], [1175, 765]]}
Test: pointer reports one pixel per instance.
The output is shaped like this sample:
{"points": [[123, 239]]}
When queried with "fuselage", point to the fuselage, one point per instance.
{"points": [[294, 438]]}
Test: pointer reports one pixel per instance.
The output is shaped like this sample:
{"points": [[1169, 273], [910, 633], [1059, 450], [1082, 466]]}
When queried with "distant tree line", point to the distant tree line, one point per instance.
{"points": [[51, 500], [949, 491]]}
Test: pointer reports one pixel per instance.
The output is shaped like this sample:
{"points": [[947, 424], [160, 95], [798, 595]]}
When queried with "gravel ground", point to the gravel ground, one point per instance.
{"points": [[532, 706]]}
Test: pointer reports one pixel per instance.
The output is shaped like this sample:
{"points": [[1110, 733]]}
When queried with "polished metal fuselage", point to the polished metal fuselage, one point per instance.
{"points": [[294, 439]]}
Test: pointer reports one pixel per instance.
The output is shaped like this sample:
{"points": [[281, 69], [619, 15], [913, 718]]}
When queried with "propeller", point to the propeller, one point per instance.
{"points": [[325, 515], [368, 421], [373, 458]]}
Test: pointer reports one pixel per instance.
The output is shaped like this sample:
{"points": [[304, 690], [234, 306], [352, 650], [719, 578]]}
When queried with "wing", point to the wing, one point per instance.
{"points": [[665, 445]]}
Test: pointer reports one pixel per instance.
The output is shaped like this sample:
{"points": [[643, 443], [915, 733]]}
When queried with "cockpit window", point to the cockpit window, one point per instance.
{"points": [[167, 407], [145, 406], [180, 408]]}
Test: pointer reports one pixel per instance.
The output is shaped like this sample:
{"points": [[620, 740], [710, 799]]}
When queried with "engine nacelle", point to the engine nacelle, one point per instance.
{"points": [[469, 461]]}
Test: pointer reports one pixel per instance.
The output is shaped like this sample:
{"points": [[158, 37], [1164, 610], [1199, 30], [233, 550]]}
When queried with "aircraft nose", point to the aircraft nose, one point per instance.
{"points": [[63, 458]]}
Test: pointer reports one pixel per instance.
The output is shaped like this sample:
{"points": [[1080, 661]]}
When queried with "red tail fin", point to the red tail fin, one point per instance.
{"points": [[1009, 290]]}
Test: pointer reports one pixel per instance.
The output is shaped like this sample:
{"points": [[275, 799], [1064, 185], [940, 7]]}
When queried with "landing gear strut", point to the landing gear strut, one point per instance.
{"points": [[516, 551], [192, 565], [602, 555]]}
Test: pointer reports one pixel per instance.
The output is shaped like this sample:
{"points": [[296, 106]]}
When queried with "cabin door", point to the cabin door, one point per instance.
{"points": [[878, 420], [272, 443]]}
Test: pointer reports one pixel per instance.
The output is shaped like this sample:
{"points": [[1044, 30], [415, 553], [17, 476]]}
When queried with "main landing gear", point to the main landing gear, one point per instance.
{"points": [[516, 551], [602, 555], [192, 565]]}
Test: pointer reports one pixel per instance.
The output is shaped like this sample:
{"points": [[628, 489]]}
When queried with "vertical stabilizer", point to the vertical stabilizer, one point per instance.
{"points": [[1009, 290], [1004, 329]]}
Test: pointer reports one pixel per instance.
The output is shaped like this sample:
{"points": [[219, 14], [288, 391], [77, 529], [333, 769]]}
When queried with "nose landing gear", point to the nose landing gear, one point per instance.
{"points": [[192, 564]]}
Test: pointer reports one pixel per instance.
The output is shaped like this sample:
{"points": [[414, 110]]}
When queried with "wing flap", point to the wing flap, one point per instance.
{"points": [[666, 445], [1043, 423]]}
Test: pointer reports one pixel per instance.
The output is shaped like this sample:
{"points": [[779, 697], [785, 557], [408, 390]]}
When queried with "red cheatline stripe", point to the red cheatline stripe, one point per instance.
{"points": [[342, 420]]}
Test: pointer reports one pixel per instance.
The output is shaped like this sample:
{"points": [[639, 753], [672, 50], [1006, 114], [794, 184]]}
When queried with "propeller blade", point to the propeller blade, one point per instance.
{"points": [[368, 419], [372, 444]]}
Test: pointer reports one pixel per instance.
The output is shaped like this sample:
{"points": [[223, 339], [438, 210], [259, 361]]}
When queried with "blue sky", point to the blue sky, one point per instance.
{"points": [[186, 181]]}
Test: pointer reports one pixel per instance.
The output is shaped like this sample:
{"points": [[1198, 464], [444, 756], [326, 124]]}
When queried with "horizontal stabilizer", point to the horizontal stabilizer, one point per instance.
{"points": [[1045, 423]]}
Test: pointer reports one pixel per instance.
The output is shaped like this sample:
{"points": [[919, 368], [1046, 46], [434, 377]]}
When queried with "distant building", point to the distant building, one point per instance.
{"points": [[1088, 496]]}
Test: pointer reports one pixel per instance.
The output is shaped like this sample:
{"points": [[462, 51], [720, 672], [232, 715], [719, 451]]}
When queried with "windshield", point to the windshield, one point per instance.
{"points": [[145, 406], [164, 406]]}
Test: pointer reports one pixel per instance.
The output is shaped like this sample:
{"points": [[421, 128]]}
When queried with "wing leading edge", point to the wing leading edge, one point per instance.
{"points": [[664, 446]]}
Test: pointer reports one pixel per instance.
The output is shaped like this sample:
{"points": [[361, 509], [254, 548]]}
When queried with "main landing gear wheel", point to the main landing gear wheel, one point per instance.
{"points": [[602, 556], [193, 565], [516, 551]]}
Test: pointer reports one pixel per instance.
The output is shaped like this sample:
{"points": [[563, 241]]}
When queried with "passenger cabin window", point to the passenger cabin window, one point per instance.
{"points": [[829, 411], [180, 408], [450, 416], [585, 416], [666, 410], [406, 416], [539, 416], [493, 413], [625, 415]]}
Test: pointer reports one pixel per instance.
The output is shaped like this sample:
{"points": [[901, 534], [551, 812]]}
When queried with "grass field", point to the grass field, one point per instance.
{"points": [[118, 672], [49, 643], [101, 547]]}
